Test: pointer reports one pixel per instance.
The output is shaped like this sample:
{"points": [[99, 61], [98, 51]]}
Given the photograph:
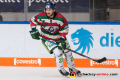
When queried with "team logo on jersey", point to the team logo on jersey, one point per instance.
{"points": [[83, 38], [72, 74], [51, 29]]}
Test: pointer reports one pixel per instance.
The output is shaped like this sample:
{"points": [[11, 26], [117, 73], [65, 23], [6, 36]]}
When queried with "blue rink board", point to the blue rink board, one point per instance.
{"points": [[69, 22]]}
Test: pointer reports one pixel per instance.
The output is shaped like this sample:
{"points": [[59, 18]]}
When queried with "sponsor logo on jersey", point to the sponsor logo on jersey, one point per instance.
{"points": [[108, 62], [31, 61], [83, 38]]}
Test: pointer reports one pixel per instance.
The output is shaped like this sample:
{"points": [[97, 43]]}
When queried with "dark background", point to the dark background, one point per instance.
{"points": [[72, 6]]}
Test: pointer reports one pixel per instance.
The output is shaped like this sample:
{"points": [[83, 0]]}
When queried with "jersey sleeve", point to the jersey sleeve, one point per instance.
{"points": [[64, 29], [33, 22]]}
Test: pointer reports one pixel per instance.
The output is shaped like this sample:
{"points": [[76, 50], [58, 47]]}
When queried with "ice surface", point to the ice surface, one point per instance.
{"points": [[40, 73]]}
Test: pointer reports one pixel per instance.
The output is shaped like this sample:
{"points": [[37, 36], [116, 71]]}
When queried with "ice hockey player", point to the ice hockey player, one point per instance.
{"points": [[54, 27]]}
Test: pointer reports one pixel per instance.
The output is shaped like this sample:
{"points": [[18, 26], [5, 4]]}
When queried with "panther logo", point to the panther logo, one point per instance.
{"points": [[83, 38]]}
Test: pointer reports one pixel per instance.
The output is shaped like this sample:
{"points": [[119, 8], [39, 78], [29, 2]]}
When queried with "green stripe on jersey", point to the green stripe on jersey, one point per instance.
{"points": [[42, 17], [59, 19]]}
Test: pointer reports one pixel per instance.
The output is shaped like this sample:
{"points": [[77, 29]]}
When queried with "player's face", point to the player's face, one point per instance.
{"points": [[49, 12]]}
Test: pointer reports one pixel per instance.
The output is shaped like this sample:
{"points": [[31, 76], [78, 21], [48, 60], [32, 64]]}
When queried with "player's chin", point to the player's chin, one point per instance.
{"points": [[48, 15]]}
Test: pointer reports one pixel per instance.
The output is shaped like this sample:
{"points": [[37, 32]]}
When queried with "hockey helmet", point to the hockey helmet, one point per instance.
{"points": [[50, 5]]}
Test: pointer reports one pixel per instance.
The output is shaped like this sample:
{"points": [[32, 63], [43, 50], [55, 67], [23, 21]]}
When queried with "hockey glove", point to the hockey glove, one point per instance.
{"points": [[35, 34], [62, 43]]}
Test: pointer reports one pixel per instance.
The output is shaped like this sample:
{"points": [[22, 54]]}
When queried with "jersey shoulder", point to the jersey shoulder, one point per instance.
{"points": [[60, 15], [62, 18], [40, 15]]}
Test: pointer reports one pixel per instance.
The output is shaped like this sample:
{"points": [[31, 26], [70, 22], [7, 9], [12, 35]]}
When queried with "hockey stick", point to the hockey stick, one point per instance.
{"points": [[99, 61]]}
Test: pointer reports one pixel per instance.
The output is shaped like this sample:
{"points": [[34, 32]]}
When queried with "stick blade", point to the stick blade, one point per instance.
{"points": [[102, 60]]}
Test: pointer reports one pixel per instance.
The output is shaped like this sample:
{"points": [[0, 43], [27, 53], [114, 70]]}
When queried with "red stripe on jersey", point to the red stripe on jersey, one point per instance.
{"points": [[63, 34], [60, 15], [32, 25], [44, 29], [31, 21], [56, 31], [63, 25]]}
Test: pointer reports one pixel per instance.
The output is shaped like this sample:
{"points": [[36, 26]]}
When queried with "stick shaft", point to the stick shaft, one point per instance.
{"points": [[75, 52]]}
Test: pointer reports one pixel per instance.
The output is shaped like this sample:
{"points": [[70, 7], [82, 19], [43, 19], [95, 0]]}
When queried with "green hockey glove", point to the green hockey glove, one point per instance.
{"points": [[62, 43], [35, 34]]}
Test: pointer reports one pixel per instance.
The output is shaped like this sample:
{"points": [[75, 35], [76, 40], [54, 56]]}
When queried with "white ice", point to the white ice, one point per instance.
{"points": [[40, 73]]}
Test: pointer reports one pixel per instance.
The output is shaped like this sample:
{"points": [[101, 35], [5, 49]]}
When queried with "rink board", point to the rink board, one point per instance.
{"points": [[50, 62], [99, 40]]}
